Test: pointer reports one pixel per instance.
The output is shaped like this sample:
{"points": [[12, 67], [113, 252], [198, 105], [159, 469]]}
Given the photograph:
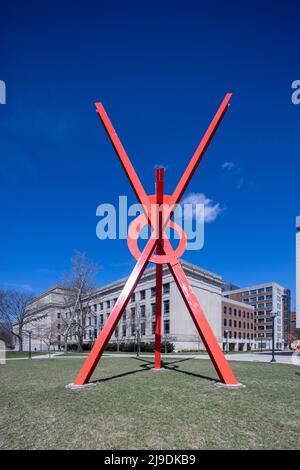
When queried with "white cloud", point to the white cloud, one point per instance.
{"points": [[211, 210], [228, 165]]}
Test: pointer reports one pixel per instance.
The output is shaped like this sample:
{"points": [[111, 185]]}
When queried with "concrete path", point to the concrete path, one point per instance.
{"points": [[282, 357]]}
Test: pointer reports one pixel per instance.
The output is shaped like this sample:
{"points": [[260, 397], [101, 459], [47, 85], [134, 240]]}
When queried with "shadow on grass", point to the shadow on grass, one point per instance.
{"points": [[124, 374], [175, 368]]}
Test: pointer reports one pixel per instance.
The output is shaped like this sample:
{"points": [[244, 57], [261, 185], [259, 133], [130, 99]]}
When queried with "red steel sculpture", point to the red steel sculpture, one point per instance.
{"points": [[159, 250]]}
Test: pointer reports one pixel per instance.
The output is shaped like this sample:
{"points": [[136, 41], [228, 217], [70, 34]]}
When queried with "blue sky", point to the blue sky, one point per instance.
{"points": [[161, 70]]}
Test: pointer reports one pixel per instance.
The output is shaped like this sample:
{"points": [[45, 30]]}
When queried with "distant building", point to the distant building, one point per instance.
{"points": [[227, 286], [238, 326], [177, 324], [298, 271], [294, 331], [266, 298]]}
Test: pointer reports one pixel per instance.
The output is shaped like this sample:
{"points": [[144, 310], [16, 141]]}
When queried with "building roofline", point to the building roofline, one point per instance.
{"points": [[48, 291], [237, 303], [151, 270], [253, 287]]}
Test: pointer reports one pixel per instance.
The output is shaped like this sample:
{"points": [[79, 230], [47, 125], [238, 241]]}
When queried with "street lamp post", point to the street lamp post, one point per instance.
{"points": [[29, 352], [227, 348], [260, 335], [273, 316]]}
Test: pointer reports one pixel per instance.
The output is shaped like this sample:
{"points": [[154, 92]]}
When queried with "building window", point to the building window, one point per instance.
{"points": [[240, 324], [225, 309], [166, 288], [261, 297], [234, 323], [124, 330], [132, 330], [132, 313], [143, 328], [101, 321], [58, 326], [234, 312], [230, 310], [58, 337], [153, 327], [166, 327], [143, 294], [253, 291], [101, 305], [225, 321], [95, 307], [240, 313], [261, 290], [90, 321], [58, 314], [153, 309], [143, 311], [108, 304], [153, 291], [269, 289], [234, 335], [240, 335], [166, 307], [133, 297], [95, 333], [253, 299], [230, 322]]}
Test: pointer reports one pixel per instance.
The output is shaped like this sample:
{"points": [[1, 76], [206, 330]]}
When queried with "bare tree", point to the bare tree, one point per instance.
{"points": [[14, 315], [47, 335], [81, 281]]}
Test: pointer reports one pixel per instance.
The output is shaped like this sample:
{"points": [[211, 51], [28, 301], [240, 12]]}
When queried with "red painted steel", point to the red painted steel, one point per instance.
{"points": [[116, 313], [159, 269], [164, 254]]}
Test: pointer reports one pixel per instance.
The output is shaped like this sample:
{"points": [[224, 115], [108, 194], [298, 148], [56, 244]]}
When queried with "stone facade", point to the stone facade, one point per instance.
{"points": [[178, 326]]}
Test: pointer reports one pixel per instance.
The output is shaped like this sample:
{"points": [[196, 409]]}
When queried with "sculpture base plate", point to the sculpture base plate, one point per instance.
{"points": [[73, 386], [230, 386]]}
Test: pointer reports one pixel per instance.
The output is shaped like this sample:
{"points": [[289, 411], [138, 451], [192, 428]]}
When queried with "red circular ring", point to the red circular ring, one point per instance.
{"points": [[137, 225]]}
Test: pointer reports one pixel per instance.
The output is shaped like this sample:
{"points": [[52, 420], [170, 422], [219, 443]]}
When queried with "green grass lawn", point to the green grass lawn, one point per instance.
{"points": [[133, 408], [17, 354]]}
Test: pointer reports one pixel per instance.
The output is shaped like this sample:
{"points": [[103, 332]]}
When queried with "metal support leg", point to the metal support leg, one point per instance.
{"points": [[113, 319], [218, 359], [159, 270]]}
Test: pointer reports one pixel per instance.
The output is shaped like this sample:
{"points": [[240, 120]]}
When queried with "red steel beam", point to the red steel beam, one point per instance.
{"points": [[159, 270], [205, 331], [115, 315]]}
